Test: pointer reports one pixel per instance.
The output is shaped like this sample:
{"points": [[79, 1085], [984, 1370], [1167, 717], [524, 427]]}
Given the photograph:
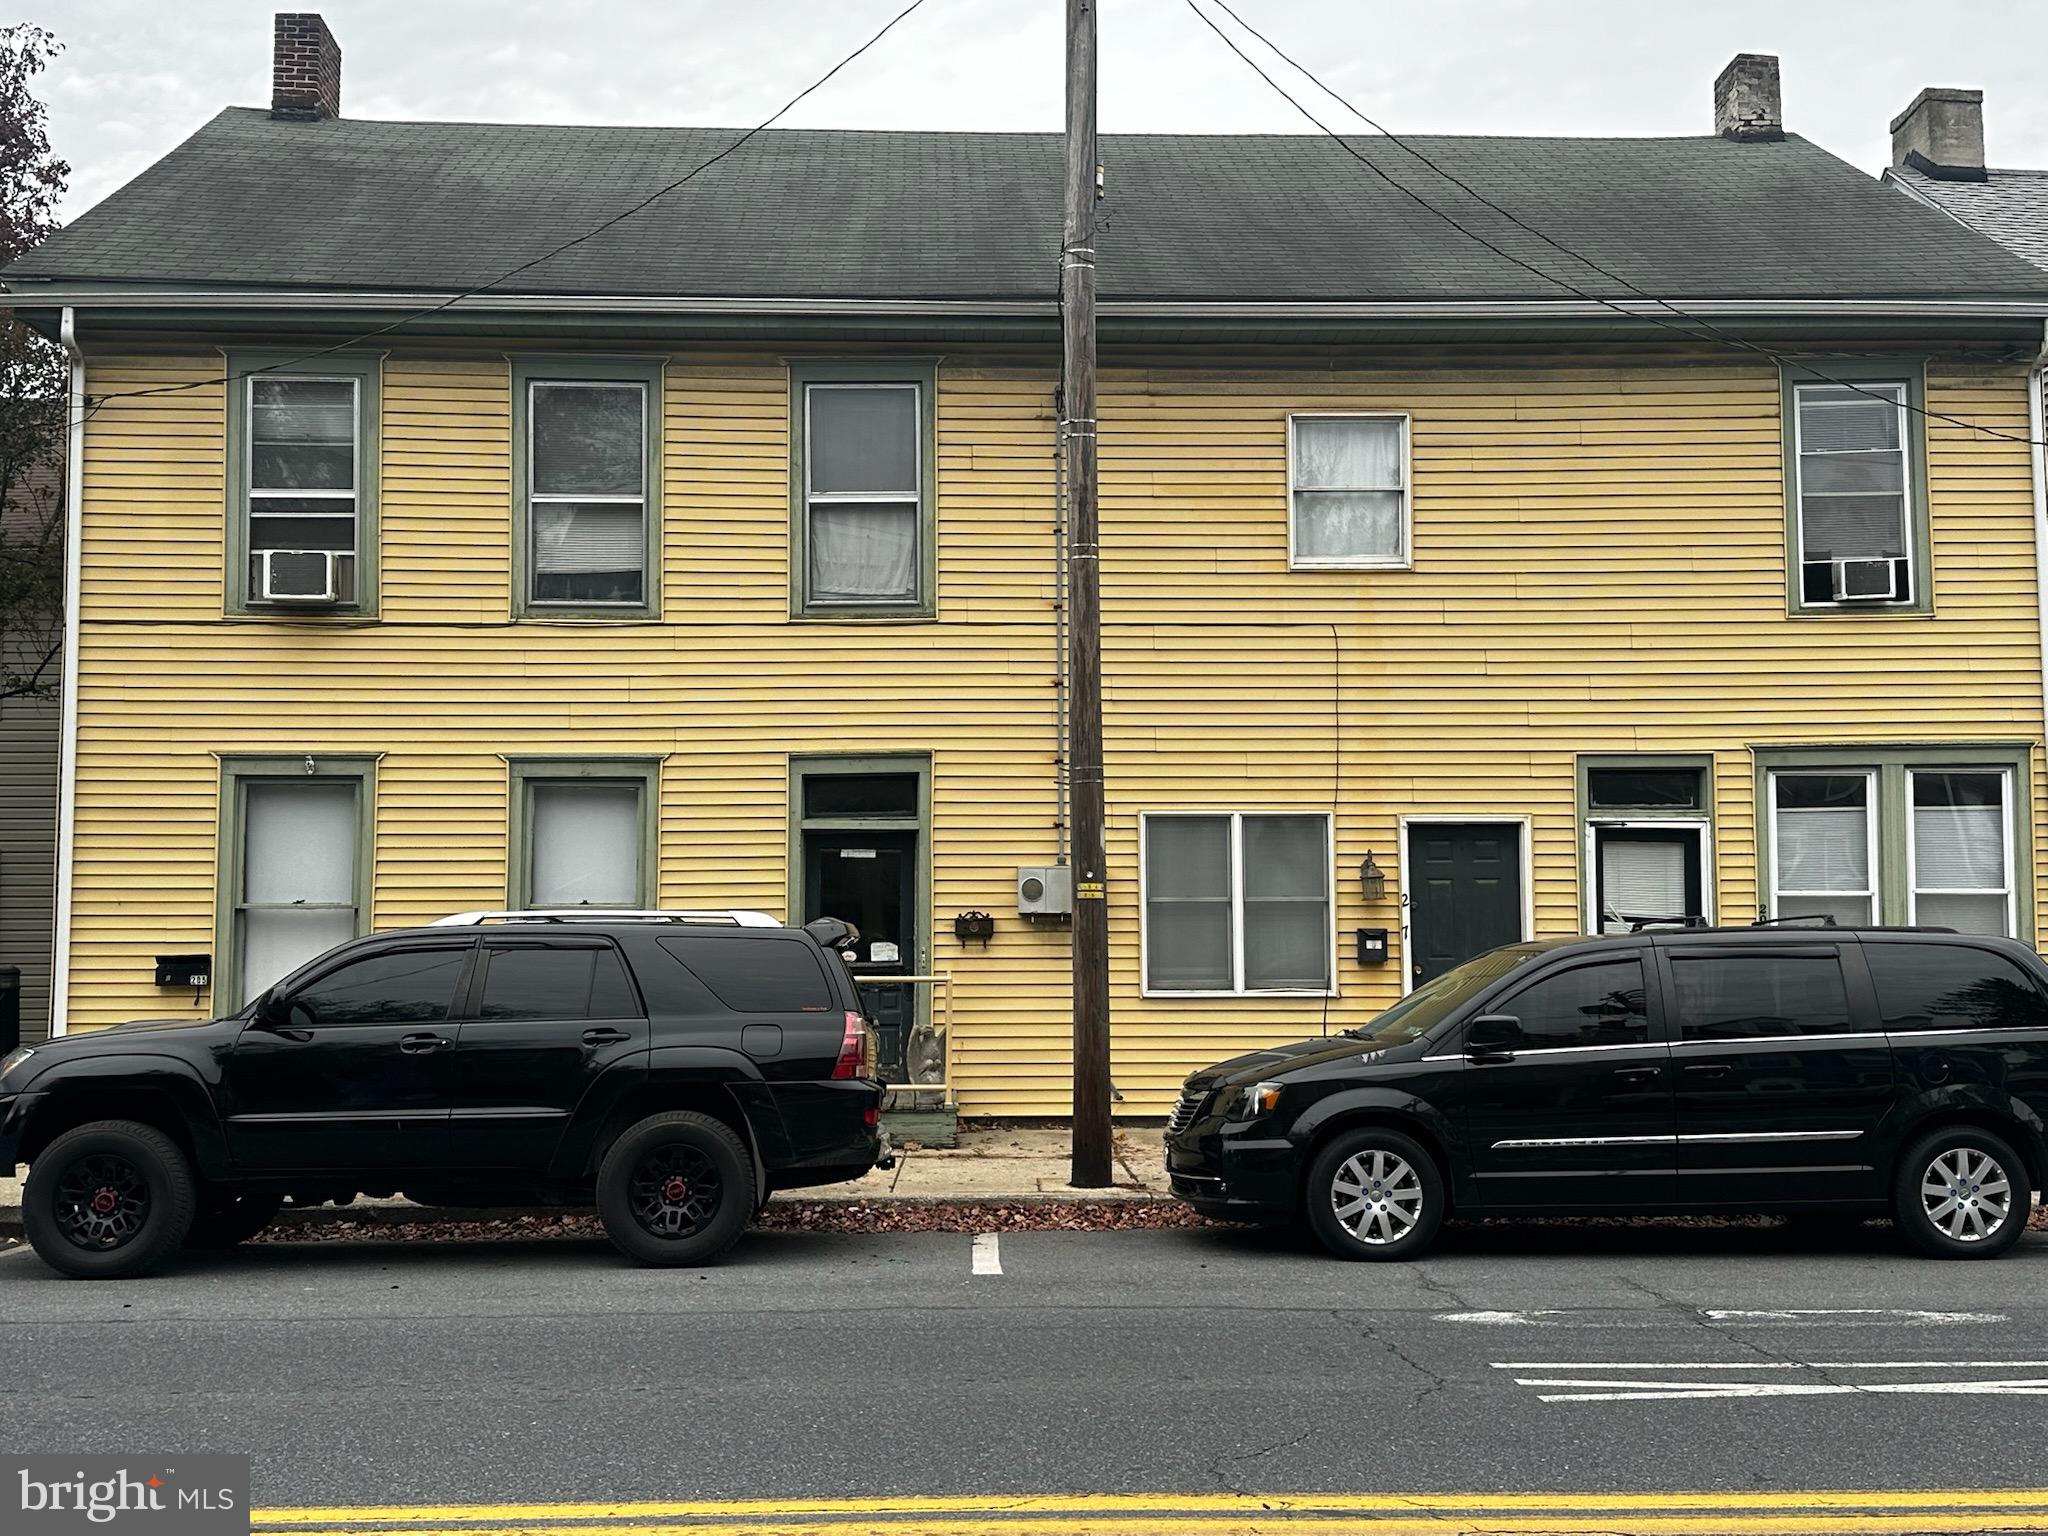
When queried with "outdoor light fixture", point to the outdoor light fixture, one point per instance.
{"points": [[1372, 880]]}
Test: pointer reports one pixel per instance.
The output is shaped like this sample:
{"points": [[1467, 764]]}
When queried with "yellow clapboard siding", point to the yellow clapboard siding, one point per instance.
{"points": [[1599, 566]]}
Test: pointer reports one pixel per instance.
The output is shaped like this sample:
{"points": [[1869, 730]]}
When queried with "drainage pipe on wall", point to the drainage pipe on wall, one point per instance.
{"points": [[2037, 381], [67, 761]]}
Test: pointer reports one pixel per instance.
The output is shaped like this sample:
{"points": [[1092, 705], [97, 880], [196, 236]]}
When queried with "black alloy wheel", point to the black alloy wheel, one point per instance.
{"points": [[676, 1188], [676, 1191]]}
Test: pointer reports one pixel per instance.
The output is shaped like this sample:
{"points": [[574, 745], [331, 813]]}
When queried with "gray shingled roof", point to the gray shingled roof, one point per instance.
{"points": [[827, 214], [2009, 206]]}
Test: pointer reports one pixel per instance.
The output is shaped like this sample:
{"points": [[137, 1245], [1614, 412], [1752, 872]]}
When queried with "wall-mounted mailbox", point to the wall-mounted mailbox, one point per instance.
{"points": [[184, 970], [1372, 946], [975, 927]]}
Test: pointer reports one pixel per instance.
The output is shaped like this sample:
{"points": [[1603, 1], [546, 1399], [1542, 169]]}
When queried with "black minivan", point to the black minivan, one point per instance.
{"points": [[1817, 1070]]}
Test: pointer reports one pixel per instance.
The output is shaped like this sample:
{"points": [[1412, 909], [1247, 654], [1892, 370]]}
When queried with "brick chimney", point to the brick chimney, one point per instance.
{"points": [[305, 68], [1747, 105], [1942, 135]]}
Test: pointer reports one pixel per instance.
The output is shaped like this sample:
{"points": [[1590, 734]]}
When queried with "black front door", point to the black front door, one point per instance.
{"points": [[550, 1016], [349, 1070], [1464, 893], [869, 879]]}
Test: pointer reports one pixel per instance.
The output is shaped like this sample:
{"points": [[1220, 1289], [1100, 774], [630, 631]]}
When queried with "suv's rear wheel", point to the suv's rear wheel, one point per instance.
{"points": [[675, 1188], [1962, 1193], [1374, 1194], [108, 1200]]}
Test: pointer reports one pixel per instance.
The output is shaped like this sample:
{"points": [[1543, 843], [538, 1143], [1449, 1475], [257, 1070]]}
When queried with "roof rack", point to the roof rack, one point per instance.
{"points": [[1639, 923], [1800, 919], [727, 917]]}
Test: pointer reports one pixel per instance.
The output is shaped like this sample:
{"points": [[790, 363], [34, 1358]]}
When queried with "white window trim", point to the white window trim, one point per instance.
{"points": [[1401, 863], [2005, 847], [1871, 809], [1405, 560], [913, 499], [536, 499], [1236, 820], [1914, 575], [1701, 826]]}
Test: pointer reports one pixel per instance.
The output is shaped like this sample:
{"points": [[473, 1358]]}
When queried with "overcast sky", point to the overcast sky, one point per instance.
{"points": [[137, 76]]}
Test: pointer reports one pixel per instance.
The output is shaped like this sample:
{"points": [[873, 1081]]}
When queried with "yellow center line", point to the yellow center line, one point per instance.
{"points": [[1249, 1523]]}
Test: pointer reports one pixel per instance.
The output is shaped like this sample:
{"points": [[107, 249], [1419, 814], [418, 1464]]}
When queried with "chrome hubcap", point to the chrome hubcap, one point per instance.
{"points": [[1966, 1194], [1377, 1196]]}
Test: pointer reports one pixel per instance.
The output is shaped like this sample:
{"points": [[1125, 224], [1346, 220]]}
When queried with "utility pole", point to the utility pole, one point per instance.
{"points": [[1084, 603]]}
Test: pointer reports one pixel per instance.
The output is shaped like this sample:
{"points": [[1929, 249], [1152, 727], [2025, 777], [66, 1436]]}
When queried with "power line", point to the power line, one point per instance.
{"points": [[1709, 332], [652, 198]]}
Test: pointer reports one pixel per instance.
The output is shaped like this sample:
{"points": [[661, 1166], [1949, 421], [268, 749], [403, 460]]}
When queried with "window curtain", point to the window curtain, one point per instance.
{"points": [[585, 844], [863, 553], [298, 874]]}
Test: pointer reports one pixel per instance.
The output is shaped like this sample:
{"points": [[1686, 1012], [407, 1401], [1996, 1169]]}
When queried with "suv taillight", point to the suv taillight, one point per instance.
{"points": [[856, 1049]]}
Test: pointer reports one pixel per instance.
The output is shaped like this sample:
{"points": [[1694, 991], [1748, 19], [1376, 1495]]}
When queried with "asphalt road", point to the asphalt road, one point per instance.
{"points": [[1193, 1361]]}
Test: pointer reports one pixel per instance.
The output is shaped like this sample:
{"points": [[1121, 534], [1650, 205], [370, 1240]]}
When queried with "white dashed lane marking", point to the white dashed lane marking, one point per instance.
{"points": [[1832, 1317], [1682, 1381], [988, 1254]]}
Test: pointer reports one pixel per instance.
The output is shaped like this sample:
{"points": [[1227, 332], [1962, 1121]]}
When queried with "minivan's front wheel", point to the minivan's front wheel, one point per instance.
{"points": [[108, 1200], [675, 1188], [1962, 1193], [1375, 1194]]}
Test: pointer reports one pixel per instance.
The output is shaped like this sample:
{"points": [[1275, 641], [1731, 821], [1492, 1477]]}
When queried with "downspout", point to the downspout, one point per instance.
{"points": [[67, 761], [2037, 380]]}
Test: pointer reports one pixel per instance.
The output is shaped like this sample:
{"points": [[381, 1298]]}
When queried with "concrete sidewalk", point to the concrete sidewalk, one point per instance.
{"points": [[1008, 1163]]}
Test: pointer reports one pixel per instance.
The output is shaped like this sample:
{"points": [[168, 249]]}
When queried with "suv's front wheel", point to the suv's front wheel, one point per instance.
{"points": [[675, 1188], [108, 1200], [1374, 1194], [1962, 1193]]}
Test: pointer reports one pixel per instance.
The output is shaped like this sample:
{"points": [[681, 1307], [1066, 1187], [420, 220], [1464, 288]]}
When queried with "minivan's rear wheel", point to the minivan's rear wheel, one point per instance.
{"points": [[1962, 1193], [108, 1200], [675, 1188], [1375, 1194]]}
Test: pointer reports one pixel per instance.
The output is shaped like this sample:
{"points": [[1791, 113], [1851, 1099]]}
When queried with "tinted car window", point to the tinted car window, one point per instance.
{"points": [[545, 982], [1741, 997], [765, 975], [1946, 986], [404, 986], [1437, 999], [1600, 1004]]}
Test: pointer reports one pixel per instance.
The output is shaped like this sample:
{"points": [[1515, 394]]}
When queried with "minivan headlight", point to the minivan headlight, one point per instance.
{"points": [[1255, 1101], [15, 1058]]}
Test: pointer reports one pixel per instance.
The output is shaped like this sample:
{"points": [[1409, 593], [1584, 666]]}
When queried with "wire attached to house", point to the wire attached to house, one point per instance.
{"points": [[526, 266], [1708, 331]]}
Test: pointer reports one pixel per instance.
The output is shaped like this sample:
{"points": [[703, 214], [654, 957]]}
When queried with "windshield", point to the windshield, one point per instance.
{"points": [[1434, 1001]]}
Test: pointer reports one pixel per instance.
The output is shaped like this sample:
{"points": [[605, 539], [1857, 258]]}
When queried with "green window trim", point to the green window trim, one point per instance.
{"points": [[802, 765], [544, 368], [365, 370], [525, 772], [1912, 372], [1889, 765], [924, 374], [1586, 818], [236, 773]]}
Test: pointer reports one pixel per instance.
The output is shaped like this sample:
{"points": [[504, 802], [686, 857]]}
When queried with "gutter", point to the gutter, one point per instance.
{"points": [[67, 760]]}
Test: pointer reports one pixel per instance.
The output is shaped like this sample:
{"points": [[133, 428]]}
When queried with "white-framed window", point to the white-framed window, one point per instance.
{"points": [[863, 495], [1824, 845], [1958, 849], [304, 475], [1348, 505], [586, 472], [1854, 497], [1237, 902]]}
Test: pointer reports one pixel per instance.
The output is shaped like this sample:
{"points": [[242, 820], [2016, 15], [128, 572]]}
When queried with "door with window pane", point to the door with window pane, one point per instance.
{"points": [[586, 842], [1824, 846], [1959, 845], [298, 878], [587, 492], [1647, 875], [863, 491]]}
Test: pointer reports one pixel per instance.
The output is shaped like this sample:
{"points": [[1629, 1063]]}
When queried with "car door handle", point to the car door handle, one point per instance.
{"points": [[1638, 1074], [1708, 1069], [420, 1045], [605, 1037]]}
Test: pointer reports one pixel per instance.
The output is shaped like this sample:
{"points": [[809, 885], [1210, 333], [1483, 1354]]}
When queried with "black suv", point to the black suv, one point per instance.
{"points": [[672, 1069], [1830, 1072]]}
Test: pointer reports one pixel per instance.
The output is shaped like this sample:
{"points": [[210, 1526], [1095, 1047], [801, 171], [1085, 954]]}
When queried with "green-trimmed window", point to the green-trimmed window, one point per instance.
{"points": [[302, 484], [1916, 835], [587, 470], [294, 865], [1856, 486], [583, 832], [861, 476]]}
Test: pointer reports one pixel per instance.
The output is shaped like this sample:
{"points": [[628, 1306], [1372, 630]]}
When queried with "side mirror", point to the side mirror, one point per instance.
{"points": [[1492, 1037]]}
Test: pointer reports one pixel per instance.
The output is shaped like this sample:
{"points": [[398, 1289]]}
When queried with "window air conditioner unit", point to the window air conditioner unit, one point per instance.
{"points": [[304, 576], [1873, 579]]}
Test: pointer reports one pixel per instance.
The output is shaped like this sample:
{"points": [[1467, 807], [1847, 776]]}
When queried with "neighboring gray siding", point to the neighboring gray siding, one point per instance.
{"points": [[28, 846]]}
